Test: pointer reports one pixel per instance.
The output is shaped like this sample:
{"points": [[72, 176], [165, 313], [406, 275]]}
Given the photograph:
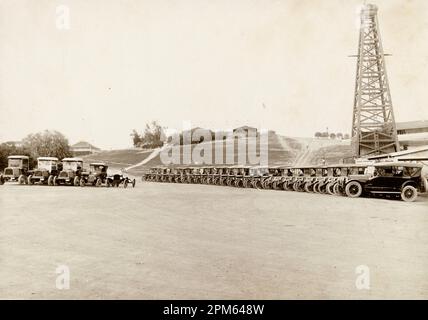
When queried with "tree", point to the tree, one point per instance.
{"points": [[42, 144], [332, 136], [339, 135], [346, 136], [8, 149], [136, 138], [47, 144], [318, 134], [152, 137]]}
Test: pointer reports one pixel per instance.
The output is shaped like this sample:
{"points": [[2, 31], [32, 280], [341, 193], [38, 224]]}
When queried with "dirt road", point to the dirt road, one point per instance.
{"points": [[190, 241]]}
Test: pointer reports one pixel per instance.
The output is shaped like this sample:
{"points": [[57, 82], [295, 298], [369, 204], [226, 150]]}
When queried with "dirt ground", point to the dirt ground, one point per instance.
{"points": [[173, 241]]}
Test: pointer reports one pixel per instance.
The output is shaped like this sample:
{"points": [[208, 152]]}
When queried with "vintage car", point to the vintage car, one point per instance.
{"points": [[72, 169], [320, 181], [274, 173], [17, 169], [258, 175], [310, 174], [388, 179], [47, 169], [118, 179], [96, 176]]}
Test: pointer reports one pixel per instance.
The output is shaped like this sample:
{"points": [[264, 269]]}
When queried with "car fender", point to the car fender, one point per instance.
{"points": [[362, 182], [410, 183]]}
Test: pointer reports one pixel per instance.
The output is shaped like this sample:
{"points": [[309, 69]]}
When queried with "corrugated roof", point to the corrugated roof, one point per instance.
{"points": [[412, 125], [400, 153]]}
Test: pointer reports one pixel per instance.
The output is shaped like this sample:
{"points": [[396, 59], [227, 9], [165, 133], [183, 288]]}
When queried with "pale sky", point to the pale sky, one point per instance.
{"points": [[280, 65]]}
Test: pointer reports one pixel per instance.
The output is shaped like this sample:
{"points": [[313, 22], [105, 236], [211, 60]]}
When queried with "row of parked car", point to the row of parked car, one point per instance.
{"points": [[390, 179], [68, 171]]}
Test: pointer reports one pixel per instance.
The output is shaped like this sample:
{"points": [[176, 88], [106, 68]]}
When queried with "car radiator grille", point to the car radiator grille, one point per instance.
{"points": [[63, 175], [38, 173]]}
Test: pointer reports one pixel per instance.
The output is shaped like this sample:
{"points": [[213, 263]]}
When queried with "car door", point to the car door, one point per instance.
{"points": [[381, 181]]}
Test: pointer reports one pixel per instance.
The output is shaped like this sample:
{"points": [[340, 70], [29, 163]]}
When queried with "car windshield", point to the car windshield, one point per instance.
{"points": [[71, 165], [44, 164], [15, 163], [357, 170], [97, 168], [412, 171], [298, 172]]}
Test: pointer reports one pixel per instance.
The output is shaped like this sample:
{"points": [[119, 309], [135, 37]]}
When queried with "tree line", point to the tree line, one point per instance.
{"points": [[332, 135], [42, 144]]}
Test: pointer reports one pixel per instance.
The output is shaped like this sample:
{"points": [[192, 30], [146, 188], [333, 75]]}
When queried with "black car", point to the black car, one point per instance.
{"points": [[392, 178], [116, 180], [96, 176]]}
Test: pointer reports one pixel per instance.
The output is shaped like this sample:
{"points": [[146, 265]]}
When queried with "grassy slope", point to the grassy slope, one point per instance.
{"points": [[281, 151], [278, 154], [331, 154]]}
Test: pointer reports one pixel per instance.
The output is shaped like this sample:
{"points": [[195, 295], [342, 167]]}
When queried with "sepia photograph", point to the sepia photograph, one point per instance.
{"points": [[213, 150]]}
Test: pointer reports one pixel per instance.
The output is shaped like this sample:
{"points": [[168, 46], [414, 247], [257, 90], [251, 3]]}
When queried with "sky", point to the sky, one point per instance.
{"points": [[279, 65]]}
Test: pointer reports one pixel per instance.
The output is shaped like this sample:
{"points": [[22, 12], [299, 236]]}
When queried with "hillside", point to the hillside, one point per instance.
{"points": [[281, 151]]}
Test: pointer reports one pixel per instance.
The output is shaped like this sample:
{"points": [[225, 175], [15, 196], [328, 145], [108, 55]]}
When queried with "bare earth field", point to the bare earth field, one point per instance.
{"points": [[171, 241]]}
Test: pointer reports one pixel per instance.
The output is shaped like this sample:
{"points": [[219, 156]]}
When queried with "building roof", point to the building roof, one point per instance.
{"points": [[98, 164], [245, 128], [73, 159], [18, 157], [400, 153], [412, 125], [84, 144], [48, 158], [398, 164]]}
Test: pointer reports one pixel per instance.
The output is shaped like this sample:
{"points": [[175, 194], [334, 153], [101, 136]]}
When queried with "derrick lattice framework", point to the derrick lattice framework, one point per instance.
{"points": [[373, 126]]}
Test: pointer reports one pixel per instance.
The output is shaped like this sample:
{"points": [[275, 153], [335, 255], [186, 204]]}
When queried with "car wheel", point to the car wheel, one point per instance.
{"points": [[54, 181], [76, 181], [133, 183], [285, 186], [409, 194], [98, 183], [329, 188], [125, 184], [307, 187], [316, 188], [50, 180], [275, 185], [21, 179], [353, 189], [337, 190], [29, 180], [82, 183]]}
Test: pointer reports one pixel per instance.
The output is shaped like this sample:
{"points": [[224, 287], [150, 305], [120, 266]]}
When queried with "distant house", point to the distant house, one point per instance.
{"points": [[245, 131], [412, 127], [412, 133], [83, 148]]}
